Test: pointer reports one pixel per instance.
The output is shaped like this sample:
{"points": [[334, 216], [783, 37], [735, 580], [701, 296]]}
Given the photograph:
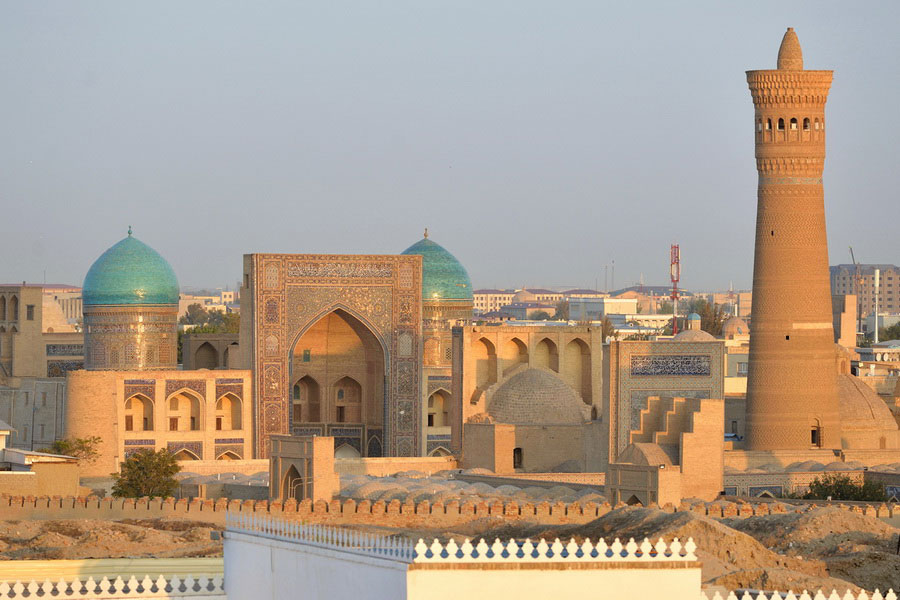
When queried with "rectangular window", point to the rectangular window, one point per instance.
{"points": [[431, 420], [218, 423], [298, 413], [340, 414], [29, 312], [742, 369], [129, 423], [173, 423], [307, 355], [147, 425], [193, 423]]}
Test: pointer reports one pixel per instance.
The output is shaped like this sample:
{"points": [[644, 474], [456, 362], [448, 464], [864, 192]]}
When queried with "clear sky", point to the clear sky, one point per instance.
{"points": [[538, 142]]}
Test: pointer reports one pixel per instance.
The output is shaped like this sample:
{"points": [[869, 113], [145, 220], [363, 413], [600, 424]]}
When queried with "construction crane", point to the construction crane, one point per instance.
{"points": [[857, 284]]}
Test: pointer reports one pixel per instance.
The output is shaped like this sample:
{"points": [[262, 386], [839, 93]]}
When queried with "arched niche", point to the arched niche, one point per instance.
{"points": [[229, 413], [485, 356], [546, 355], [206, 357], [576, 369], [184, 411], [438, 409], [305, 401], [138, 413], [513, 353], [340, 348]]}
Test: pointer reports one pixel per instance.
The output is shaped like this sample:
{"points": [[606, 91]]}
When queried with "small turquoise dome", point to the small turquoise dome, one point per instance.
{"points": [[443, 277], [131, 272], [694, 317]]}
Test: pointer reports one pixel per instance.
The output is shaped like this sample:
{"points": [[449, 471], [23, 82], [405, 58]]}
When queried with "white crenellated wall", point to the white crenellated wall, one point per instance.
{"points": [[161, 588]]}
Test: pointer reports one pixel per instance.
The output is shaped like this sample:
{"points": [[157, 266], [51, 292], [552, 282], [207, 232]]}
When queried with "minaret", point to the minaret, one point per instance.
{"points": [[792, 398]]}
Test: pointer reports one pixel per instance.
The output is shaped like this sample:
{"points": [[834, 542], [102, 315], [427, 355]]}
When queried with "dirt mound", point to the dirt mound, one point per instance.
{"points": [[727, 555], [73, 539], [854, 547]]}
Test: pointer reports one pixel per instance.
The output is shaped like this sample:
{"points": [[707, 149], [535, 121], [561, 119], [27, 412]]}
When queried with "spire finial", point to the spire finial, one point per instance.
{"points": [[790, 55], [129, 231], [426, 233]]}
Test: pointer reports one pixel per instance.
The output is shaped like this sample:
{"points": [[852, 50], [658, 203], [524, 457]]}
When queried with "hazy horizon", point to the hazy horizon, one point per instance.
{"points": [[537, 143]]}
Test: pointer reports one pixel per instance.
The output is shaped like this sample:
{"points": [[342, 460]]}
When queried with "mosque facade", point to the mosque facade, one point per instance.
{"points": [[131, 393]]}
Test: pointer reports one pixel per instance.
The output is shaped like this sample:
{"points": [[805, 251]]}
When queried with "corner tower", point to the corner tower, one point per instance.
{"points": [[792, 397], [130, 303]]}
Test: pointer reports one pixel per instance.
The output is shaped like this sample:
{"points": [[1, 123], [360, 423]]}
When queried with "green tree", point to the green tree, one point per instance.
{"points": [[147, 473], [665, 308], [562, 311], [842, 487], [889, 333], [84, 449], [712, 316], [541, 315], [195, 315]]}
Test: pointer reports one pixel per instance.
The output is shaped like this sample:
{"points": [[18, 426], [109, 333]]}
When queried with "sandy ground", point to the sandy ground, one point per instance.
{"points": [[74, 539]]}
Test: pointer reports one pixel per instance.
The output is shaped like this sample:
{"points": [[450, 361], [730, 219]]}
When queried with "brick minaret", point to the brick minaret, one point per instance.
{"points": [[792, 398]]}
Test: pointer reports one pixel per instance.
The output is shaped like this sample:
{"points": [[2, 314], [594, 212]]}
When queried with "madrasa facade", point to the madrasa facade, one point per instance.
{"points": [[356, 347]]}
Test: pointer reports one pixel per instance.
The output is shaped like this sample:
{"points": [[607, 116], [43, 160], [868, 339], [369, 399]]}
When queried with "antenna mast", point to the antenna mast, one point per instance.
{"points": [[675, 272]]}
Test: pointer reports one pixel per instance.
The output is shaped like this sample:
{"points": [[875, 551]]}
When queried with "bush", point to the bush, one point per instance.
{"points": [[84, 449], [842, 487], [147, 473]]}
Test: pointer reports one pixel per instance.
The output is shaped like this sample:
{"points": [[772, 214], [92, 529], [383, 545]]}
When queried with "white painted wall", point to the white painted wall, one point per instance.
{"points": [[262, 569]]}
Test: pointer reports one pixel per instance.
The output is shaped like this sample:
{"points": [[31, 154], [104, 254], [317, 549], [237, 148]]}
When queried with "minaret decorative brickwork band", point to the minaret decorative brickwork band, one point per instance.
{"points": [[792, 398]]}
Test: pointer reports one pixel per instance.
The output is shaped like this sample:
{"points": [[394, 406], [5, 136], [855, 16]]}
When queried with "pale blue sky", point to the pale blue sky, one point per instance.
{"points": [[537, 141]]}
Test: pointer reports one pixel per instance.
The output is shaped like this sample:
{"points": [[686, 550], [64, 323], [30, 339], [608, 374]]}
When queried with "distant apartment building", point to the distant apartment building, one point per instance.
{"points": [[38, 346], [735, 303], [594, 309], [224, 301], [843, 282], [491, 300]]}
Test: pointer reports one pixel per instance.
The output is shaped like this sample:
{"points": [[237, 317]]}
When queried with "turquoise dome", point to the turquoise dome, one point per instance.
{"points": [[443, 277], [131, 272]]}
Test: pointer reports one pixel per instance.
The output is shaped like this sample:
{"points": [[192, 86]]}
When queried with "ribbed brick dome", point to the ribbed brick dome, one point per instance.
{"points": [[537, 397]]}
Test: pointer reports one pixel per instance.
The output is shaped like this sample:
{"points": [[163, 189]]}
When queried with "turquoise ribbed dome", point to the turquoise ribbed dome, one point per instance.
{"points": [[443, 277], [131, 272]]}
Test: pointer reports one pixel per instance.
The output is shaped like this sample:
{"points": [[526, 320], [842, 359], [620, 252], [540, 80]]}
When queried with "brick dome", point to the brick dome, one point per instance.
{"points": [[693, 335], [537, 397]]}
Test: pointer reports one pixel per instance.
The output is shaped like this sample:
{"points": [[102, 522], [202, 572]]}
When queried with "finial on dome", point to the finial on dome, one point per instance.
{"points": [[129, 231], [790, 55], [426, 233]]}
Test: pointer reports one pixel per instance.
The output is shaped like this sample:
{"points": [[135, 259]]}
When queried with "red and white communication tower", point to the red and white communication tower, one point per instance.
{"points": [[675, 272]]}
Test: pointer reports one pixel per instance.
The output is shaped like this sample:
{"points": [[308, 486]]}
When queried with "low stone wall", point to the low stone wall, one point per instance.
{"points": [[98, 568], [392, 514], [576, 481], [214, 467], [383, 467]]}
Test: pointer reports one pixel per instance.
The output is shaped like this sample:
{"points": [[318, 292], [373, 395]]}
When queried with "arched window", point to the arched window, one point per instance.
{"points": [[14, 308], [780, 124], [806, 124], [768, 124], [438, 407], [793, 123], [305, 402], [228, 413], [817, 124], [184, 412], [348, 401], [2, 308], [139, 413], [759, 125]]}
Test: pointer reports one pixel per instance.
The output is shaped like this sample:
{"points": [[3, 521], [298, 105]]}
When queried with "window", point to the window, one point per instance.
{"points": [[147, 425], [218, 423], [129, 423], [431, 419], [173, 404], [742, 369], [734, 427], [307, 355], [194, 424], [340, 394], [517, 458], [448, 353], [173, 423], [780, 124], [340, 414], [29, 312], [768, 124], [814, 436], [793, 124], [806, 124]]}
